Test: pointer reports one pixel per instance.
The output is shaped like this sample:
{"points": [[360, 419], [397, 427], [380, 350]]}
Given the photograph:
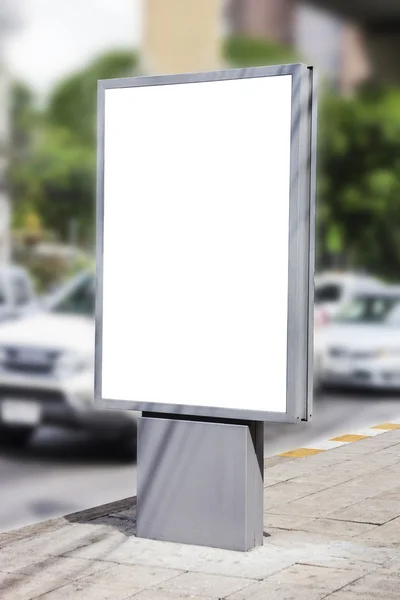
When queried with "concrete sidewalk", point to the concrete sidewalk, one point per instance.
{"points": [[332, 530]]}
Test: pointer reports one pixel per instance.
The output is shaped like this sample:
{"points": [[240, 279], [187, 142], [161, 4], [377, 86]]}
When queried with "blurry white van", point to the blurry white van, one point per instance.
{"points": [[333, 290]]}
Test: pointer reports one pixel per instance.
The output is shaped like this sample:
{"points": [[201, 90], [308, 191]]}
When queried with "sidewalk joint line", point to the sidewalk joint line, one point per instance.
{"points": [[357, 522], [346, 584]]}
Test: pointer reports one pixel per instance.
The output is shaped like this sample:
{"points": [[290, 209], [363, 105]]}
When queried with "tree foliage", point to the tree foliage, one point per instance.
{"points": [[250, 52], [359, 189], [53, 171], [72, 104], [57, 180]]}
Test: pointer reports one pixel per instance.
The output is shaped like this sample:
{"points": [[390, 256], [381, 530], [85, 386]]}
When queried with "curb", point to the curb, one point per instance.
{"points": [[342, 440]]}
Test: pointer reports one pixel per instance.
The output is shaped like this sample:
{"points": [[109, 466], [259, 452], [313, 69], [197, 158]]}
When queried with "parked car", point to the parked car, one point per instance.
{"points": [[361, 345], [47, 372], [333, 290], [17, 295]]}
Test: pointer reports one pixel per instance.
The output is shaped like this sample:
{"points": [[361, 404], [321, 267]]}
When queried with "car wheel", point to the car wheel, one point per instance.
{"points": [[15, 436], [126, 448]]}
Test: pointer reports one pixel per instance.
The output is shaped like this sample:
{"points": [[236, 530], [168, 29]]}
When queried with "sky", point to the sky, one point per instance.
{"points": [[56, 37]]}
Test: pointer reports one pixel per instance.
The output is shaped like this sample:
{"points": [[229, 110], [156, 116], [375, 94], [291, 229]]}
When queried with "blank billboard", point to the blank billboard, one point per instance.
{"points": [[204, 232]]}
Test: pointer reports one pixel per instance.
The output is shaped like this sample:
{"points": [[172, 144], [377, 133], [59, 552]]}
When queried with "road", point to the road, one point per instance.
{"points": [[62, 472]]}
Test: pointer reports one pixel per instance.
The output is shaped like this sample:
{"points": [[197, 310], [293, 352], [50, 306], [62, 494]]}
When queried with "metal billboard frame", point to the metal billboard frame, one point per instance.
{"points": [[299, 378]]}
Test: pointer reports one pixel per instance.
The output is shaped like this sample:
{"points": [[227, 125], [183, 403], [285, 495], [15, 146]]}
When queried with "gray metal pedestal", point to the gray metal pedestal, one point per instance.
{"points": [[200, 482]]}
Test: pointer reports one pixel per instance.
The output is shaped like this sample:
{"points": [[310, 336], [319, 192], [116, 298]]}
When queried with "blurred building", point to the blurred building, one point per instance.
{"points": [[336, 47], [4, 199], [181, 36], [272, 19], [7, 24], [333, 45]]}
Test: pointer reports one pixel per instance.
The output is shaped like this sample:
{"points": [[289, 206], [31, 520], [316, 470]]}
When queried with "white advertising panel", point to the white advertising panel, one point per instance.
{"points": [[204, 217]]}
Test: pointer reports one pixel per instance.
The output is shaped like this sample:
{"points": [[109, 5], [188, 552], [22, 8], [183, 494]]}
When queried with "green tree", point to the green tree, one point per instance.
{"points": [[53, 172], [72, 104], [359, 190], [57, 181], [253, 52]]}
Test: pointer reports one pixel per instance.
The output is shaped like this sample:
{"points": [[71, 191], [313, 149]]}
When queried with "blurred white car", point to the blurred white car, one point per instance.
{"points": [[17, 295], [47, 372], [361, 346], [333, 290]]}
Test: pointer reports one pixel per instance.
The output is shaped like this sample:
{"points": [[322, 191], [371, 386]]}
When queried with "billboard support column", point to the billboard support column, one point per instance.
{"points": [[200, 482]]}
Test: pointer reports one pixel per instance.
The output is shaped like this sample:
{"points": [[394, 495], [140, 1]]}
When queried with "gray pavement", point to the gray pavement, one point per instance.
{"points": [[62, 472], [332, 530]]}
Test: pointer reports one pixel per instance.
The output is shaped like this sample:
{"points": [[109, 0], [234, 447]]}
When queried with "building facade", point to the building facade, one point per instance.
{"points": [[5, 209], [273, 19], [335, 47], [8, 22], [181, 36]]}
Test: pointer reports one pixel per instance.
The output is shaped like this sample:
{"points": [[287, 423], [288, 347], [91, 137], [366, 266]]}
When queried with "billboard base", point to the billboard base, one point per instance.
{"points": [[200, 481]]}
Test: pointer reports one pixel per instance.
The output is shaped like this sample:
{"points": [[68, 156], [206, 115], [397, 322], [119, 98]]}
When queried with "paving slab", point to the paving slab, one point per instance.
{"points": [[341, 496], [54, 543], [335, 528], [43, 577], [271, 461], [321, 549], [375, 511], [288, 491], [393, 493], [299, 581], [277, 521], [391, 568], [336, 474], [200, 584], [155, 594], [273, 591], [387, 535], [113, 583], [370, 587]]}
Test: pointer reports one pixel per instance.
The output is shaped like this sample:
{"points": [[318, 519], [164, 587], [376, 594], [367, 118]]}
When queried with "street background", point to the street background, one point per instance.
{"points": [[51, 56]]}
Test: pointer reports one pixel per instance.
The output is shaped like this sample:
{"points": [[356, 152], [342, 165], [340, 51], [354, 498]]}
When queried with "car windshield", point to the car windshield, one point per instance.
{"points": [[367, 309], [80, 300], [328, 292], [393, 318]]}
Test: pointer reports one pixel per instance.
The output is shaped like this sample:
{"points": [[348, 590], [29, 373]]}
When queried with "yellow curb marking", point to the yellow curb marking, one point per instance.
{"points": [[387, 426], [350, 437], [301, 452]]}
